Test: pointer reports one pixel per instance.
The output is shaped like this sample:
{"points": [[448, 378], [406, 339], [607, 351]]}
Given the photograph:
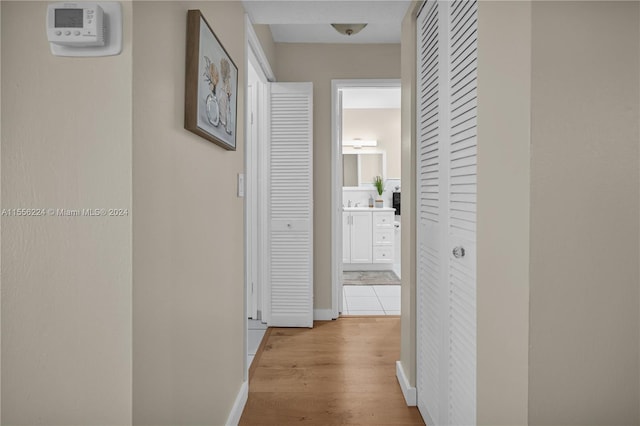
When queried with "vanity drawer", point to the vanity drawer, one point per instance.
{"points": [[383, 219], [382, 254], [382, 236]]}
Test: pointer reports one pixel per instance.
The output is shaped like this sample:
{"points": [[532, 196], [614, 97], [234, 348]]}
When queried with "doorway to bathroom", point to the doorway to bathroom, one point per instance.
{"points": [[366, 197]]}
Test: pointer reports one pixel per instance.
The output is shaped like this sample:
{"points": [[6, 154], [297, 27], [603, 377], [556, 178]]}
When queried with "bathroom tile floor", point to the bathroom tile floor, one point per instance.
{"points": [[371, 300]]}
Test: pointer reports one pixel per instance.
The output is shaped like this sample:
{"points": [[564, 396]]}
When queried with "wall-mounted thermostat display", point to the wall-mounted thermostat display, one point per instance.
{"points": [[85, 29]]}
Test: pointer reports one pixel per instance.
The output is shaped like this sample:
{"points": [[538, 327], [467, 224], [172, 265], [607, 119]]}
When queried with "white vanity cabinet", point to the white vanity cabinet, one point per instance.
{"points": [[356, 237], [383, 249], [367, 238]]}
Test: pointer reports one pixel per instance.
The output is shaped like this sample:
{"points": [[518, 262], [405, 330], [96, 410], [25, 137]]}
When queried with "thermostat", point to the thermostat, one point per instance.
{"points": [[85, 29]]}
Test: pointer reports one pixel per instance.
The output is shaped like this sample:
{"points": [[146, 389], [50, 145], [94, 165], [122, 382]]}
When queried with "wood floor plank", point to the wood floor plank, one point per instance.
{"points": [[338, 373], [321, 379]]}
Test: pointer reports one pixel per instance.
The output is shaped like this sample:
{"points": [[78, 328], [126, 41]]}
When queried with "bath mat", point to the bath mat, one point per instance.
{"points": [[370, 278]]}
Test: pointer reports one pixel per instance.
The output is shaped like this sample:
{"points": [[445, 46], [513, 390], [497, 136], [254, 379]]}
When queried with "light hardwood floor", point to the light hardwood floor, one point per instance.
{"points": [[338, 373]]}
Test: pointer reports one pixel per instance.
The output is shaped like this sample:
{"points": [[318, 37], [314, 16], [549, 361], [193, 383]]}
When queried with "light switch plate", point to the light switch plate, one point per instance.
{"points": [[240, 185]]}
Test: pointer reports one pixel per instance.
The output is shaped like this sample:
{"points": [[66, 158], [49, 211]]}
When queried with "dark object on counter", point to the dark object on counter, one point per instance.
{"points": [[396, 202]]}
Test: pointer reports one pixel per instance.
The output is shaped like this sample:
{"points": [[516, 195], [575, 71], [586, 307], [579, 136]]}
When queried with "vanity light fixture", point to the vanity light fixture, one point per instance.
{"points": [[348, 29], [359, 143]]}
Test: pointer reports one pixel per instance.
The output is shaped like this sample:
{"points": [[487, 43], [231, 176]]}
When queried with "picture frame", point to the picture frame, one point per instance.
{"points": [[211, 85]]}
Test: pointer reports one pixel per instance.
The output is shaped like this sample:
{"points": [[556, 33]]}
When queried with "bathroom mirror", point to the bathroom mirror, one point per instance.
{"points": [[359, 167]]}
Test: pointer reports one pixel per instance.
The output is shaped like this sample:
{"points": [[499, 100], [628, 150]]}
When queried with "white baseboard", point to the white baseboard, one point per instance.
{"points": [[409, 392], [238, 405], [322, 314]]}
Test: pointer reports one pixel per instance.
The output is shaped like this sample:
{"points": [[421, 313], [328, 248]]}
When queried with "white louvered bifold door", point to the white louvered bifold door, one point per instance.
{"points": [[431, 366], [290, 206], [463, 119], [446, 184]]}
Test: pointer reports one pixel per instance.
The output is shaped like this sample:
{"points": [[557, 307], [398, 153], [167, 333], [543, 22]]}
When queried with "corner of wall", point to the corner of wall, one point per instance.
{"points": [[1, 205], [408, 219], [238, 405], [263, 32]]}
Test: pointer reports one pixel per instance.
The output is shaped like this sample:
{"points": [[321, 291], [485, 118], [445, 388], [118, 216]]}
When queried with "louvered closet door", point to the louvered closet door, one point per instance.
{"points": [[447, 166], [431, 365], [291, 206], [463, 151]]}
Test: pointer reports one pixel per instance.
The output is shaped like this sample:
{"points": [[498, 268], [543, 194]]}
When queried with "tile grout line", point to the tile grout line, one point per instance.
{"points": [[376, 296], [379, 301]]}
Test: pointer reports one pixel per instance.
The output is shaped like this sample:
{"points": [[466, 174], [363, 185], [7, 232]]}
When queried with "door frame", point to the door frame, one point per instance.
{"points": [[254, 55], [336, 180]]}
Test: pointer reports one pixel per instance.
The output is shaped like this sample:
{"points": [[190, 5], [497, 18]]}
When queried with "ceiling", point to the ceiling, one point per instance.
{"points": [[308, 21]]}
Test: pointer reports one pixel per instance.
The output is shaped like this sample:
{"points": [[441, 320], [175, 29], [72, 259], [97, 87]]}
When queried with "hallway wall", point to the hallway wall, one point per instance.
{"points": [[68, 351], [1, 204], [408, 218], [263, 32], [504, 127], [584, 214], [320, 63], [66, 281], [188, 234]]}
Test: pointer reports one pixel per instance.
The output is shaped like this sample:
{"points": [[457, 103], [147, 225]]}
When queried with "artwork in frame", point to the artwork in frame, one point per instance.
{"points": [[211, 89]]}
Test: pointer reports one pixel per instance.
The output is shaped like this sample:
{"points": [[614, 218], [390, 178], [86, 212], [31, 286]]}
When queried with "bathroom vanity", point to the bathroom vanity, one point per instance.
{"points": [[367, 238]]}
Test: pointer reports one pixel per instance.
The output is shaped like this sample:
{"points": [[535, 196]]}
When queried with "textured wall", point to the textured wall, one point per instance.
{"points": [[66, 281], [188, 233], [504, 126], [584, 213]]}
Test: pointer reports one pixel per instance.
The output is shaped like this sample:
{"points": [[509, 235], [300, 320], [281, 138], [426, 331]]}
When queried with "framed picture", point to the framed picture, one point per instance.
{"points": [[211, 87]]}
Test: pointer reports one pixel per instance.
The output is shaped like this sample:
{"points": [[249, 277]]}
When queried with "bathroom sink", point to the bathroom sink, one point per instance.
{"points": [[357, 209]]}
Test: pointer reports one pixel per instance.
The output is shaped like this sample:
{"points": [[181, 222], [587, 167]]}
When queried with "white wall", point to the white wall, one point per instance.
{"points": [[66, 281], [188, 233], [380, 124]]}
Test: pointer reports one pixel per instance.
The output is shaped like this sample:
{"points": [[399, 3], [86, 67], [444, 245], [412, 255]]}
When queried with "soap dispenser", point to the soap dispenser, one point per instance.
{"points": [[370, 201]]}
